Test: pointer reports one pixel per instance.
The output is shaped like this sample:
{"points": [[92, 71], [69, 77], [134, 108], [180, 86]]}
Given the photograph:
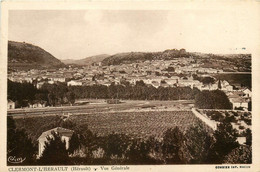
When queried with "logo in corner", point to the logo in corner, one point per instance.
{"points": [[15, 160]]}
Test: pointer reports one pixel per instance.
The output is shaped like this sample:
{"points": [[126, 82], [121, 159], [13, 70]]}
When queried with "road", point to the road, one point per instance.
{"points": [[234, 73]]}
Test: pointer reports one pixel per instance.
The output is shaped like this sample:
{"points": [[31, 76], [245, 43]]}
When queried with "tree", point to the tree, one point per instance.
{"points": [[155, 149], [157, 73], [74, 143], [225, 141], [19, 144], [198, 144], [55, 152], [239, 155], [173, 146], [52, 99], [170, 69], [219, 85], [116, 145], [250, 105], [40, 96], [207, 80], [71, 97], [195, 77], [140, 83], [248, 137], [215, 99], [138, 152]]}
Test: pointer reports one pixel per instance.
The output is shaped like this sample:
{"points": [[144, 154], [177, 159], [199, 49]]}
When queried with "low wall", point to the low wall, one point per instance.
{"points": [[212, 124]]}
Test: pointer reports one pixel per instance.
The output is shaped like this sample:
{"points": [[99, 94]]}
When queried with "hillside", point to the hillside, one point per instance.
{"points": [[86, 61], [227, 62], [26, 56], [143, 56]]}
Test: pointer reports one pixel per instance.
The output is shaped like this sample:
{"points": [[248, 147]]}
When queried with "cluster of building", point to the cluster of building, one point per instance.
{"points": [[157, 73], [151, 72], [241, 98]]}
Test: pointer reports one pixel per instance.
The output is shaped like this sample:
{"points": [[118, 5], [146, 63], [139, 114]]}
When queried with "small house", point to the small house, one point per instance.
{"points": [[247, 92], [10, 104], [37, 104], [74, 83], [239, 103], [65, 134]]}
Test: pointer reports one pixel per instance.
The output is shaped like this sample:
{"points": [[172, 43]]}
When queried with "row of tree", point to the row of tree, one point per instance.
{"points": [[26, 93], [140, 91], [21, 93], [59, 94], [195, 146]]}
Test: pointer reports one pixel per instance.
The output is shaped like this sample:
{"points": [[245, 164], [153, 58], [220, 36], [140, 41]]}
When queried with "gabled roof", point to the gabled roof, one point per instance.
{"points": [[238, 100], [246, 90], [60, 130], [10, 101]]}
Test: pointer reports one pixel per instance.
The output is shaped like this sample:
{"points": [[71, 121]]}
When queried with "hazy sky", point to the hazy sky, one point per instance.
{"points": [[79, 34]]}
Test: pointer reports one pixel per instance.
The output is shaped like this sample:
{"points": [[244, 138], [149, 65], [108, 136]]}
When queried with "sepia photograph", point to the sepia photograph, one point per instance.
{"points": [[120, 87]]}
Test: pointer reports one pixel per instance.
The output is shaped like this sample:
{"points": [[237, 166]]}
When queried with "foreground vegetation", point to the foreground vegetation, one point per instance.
{"points": [[194, 146]]}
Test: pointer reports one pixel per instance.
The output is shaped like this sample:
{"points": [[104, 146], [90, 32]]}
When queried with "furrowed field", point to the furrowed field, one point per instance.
{"points": [[133, 124]]}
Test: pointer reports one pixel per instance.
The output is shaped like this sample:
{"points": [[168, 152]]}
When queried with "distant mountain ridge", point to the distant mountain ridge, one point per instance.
{"points": [[86, 61], [132, 57], [23, 55]]}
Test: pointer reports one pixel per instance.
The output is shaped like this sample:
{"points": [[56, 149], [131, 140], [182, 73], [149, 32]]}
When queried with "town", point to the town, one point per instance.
{"points": [[141, 97], [181, 72]]}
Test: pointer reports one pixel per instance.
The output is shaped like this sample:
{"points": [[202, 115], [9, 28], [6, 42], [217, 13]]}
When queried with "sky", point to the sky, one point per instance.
{"points": [[76, 34]]}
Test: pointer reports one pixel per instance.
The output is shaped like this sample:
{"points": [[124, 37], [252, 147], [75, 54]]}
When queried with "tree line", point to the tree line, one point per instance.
{"points": [[60, 94]]}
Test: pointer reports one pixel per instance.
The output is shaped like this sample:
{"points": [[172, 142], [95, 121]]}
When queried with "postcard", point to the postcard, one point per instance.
{"points": [[130, 86]]}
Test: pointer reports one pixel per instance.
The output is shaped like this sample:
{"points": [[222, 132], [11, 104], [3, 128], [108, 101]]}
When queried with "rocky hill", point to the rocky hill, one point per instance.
{"points": [[23, 55], [227, 62], [132, 57]]}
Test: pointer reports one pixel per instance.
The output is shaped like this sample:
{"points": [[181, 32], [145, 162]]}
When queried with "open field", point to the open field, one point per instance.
{"points": [[99, 105], [133, 124]]}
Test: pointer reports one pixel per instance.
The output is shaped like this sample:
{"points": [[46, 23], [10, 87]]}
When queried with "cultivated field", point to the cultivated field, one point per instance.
{"points": [[133, 124], [136, 124]]}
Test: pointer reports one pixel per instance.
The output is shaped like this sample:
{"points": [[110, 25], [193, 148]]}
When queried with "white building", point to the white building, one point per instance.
{"points": [[247, 92], [63, 132], [74, 83], [239, 102], [58, 79], [10, 104], [37, 104], [39, 85]]}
